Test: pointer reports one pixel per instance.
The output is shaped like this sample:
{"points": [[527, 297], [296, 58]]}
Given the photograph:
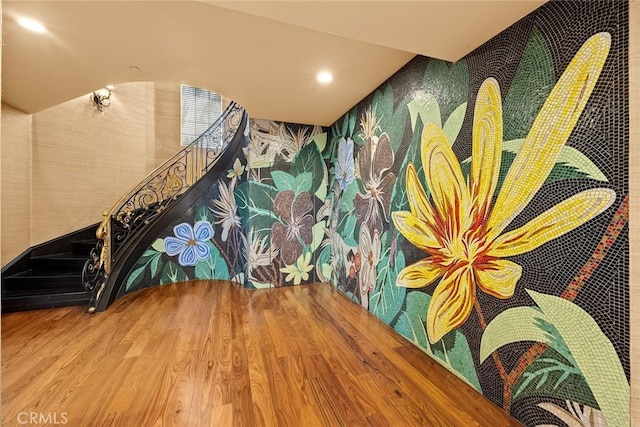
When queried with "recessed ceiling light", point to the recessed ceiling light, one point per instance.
{"points": [[32, 25], [324, 77]]}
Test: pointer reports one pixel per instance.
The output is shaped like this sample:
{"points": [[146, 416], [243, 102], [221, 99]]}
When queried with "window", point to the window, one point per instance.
{"points": [[200, 108]]}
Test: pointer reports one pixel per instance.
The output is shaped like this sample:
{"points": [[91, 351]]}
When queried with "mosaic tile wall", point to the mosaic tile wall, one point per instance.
{"points": [[284, 205], [262, 226], [214, 224], [480, 209]]}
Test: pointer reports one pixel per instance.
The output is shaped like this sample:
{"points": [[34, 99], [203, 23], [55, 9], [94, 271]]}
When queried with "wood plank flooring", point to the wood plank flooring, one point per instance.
{"points": [[211, 353]]}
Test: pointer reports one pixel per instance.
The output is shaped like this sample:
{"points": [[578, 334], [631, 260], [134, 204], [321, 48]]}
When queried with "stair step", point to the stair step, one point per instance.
{"points": [[43, 279], [40, 299], [83, 247], [50, 275], [59, 262]]}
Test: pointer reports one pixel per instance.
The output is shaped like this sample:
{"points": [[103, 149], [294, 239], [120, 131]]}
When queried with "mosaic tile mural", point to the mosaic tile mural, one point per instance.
{"points": [[208, 241], [283, 204], [480, 209], [264, 225]]}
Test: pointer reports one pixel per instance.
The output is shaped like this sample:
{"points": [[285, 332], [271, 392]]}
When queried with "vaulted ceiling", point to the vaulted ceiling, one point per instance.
{"points": [[263, 54]]}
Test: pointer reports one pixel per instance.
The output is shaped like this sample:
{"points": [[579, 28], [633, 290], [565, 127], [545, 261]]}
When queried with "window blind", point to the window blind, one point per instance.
{"points": [[199, 109]]}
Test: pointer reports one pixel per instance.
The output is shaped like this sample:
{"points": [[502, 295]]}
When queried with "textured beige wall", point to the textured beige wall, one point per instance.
{"points": [[15, 185], [634, 199], [62, 167], [84, 161], [167, 122]]}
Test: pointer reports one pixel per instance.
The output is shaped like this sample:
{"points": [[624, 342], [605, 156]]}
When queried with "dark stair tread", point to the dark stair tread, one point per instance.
{"points": [[48, 274], [59, 262], [66, 290], [62, 256], [87, 241]]}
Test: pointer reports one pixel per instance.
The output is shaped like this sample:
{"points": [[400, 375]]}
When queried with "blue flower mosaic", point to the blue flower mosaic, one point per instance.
{"points": [[345, 168], [190, 243]]}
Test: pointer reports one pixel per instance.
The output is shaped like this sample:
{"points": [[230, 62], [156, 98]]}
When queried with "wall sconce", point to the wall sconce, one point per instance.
{"points": [[100, 99]]}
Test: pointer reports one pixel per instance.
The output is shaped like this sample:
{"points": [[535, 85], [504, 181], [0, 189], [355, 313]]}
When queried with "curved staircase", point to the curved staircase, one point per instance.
{"points": [[79, 269]]}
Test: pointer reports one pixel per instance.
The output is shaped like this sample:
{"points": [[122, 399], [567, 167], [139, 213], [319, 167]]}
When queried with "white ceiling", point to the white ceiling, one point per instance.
{"points": [[263, 54]]}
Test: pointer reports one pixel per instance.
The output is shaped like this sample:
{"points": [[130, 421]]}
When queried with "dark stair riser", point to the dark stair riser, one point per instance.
{"points": [[60, 262], [35, 280], [17, 301], [83, 247]]}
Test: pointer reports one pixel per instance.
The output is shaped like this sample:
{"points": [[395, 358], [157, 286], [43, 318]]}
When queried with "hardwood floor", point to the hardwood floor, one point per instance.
{"points": [[215, 354]]}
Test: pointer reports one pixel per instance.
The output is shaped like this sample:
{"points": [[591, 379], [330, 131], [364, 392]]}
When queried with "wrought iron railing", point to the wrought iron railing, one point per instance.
{"points": [[155, 193]]}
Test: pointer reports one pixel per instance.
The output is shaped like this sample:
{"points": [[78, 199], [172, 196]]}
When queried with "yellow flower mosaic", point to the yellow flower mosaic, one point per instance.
{"points": [[461, 227]]}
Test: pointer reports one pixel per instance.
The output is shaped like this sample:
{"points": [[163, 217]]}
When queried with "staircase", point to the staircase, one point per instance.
{"points": [[77, 269], [48, 275], [144, 213]]}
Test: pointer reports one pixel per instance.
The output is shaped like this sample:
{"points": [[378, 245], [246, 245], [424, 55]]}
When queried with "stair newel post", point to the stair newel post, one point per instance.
{"points": [[106, 257], [96, 269]]}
